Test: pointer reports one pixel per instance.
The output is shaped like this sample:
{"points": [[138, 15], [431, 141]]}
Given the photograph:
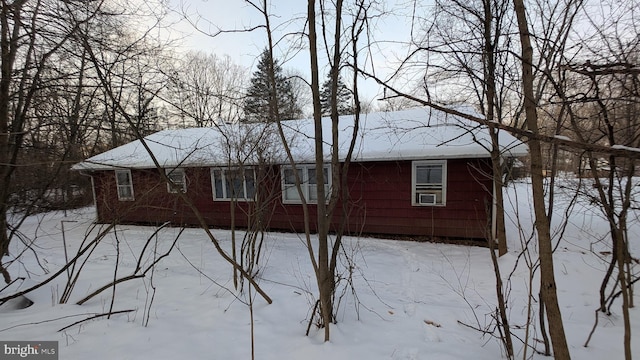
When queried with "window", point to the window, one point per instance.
{"points": [[307, 176], [177, 180], [237, 184], [124, 185], [429, 182]]}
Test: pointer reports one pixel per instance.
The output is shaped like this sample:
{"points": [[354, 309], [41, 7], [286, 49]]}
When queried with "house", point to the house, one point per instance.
{"points": [[416, 173]]}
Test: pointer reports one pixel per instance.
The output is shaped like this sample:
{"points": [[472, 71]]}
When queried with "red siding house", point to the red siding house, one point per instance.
{"points": [[417, 173]]}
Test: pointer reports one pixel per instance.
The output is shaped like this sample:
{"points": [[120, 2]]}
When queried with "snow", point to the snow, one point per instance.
{"points": [[562, 137], [418, 133], [412, 297], [627, 148]]}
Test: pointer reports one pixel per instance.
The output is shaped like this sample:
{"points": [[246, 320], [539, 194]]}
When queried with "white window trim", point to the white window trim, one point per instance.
{"points": [[304, 183], [130, 185], [173, 171], [225, 196], [414, 191]]}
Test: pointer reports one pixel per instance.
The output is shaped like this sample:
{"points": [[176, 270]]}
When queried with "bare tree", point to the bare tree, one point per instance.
{"points": [[350, 22], [462, 47], [605, 111], [33, 34], [547, 278], [133, 66], [592, 92], [474, 43], [344, 37], [249, 182], [206, 89], [129, 115]]}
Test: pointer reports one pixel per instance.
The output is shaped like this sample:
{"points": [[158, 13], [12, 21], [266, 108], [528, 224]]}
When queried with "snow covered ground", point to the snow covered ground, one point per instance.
{"points": [[412, 300]]}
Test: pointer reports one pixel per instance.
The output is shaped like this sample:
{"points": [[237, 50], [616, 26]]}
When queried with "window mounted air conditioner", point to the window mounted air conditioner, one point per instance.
{"points": [[427, 199]]}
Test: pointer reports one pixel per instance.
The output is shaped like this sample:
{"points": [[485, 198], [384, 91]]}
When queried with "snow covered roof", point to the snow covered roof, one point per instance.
{"points": [[419, 133]]}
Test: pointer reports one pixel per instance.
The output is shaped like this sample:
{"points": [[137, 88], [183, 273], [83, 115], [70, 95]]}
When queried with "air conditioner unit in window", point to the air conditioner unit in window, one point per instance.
{"points": [[427, 199]]}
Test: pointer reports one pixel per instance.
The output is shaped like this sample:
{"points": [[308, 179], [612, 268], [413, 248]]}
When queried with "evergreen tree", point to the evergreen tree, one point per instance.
{"points": [[344, 98], [259, 105]]}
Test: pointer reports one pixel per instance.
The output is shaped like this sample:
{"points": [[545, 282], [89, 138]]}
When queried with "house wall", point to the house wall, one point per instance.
{"points": [[154, 204], [380, 202]]}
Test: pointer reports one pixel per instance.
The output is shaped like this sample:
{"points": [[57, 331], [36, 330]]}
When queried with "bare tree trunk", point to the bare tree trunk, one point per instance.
{"points": [[623, 257], [490, 85], [547, 277], [502, 306], [496, 161], [622, 279], [323, 277], [234, 255], [543, 327]]}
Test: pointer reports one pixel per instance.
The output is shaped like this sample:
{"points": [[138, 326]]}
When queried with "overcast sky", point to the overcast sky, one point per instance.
{"points": [[288, 17]]}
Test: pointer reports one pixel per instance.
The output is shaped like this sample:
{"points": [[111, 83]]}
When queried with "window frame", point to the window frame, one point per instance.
{"points": [[223, 179], [429, 188], [119, 186], [169, 172], [305, 183]]}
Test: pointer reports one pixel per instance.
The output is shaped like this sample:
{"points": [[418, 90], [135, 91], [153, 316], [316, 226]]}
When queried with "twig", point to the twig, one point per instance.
{"points": [[11, 283], [593, 330], [613, 296], [95, 317], [107, 286], [211, 279], [41, 322], [115, 274], [484, 331], [313, 314], [132, 276], [61, 270]]}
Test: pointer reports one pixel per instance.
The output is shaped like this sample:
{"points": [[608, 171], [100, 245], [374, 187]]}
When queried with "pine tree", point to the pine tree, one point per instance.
{"points": [[344, 98], [259, 105]]}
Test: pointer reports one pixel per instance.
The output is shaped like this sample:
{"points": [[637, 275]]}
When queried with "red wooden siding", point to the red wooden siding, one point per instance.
{"points": [[380, 202]]}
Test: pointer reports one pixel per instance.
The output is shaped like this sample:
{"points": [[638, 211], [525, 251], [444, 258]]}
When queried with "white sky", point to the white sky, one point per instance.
{"points": [[288, 16]]}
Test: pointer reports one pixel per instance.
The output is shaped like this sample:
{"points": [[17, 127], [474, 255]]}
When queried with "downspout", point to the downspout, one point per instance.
{"points": [[93, 193]]}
